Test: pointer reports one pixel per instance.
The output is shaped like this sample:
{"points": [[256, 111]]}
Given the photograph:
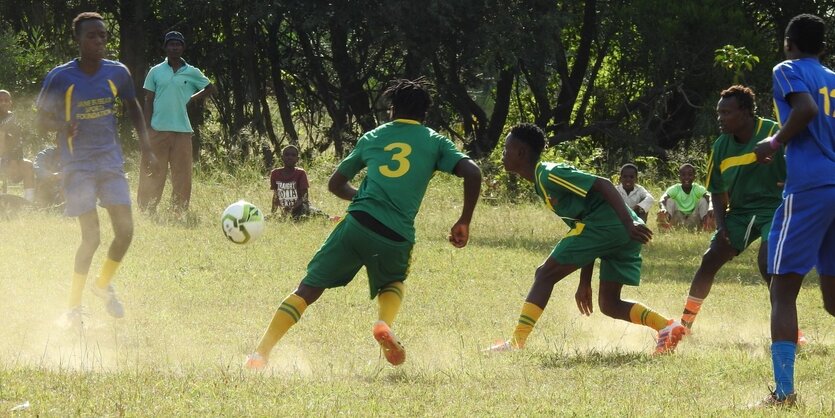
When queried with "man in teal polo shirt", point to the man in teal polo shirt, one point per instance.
{"points": [[169, 87]]}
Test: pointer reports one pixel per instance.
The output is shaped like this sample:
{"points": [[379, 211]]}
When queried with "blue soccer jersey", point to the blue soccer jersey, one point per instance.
{"points": [[69, 95], [810, 156]]}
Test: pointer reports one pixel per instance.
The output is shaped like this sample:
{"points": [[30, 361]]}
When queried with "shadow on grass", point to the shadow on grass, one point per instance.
{"points": [[594, 358], [542, 244]]}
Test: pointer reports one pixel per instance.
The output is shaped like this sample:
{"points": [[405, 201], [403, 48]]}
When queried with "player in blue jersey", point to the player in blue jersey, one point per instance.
{"points": [[78, 100], [803, 232]]}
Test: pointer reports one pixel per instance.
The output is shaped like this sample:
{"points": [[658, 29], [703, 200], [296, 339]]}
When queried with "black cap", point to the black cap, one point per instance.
{"points": [[174, 36]]}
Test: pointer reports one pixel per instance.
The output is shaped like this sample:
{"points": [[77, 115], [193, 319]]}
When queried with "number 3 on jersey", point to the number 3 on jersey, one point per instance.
{"points": [[399, 158]]}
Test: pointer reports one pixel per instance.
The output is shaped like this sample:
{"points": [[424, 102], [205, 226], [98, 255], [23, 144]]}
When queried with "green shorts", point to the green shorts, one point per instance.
{"points": [[745, 228], [620, 256], [351, 246]]}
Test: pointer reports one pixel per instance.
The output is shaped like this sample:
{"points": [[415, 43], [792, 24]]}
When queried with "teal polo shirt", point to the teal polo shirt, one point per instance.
{"points": [[172, 92]]}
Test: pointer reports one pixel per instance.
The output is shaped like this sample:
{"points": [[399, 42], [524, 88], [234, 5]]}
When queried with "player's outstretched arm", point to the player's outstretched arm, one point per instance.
{"points": [[459, 235], [339, 186], [638, 232]]}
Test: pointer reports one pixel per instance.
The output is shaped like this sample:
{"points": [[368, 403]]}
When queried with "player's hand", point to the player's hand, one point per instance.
{"points": [[639, 232], [583, 298], [459, 235], [764, 151]]}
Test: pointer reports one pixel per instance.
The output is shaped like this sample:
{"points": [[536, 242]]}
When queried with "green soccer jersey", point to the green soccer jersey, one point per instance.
{"points": [[401, 157], [686, 202], [566, 191], [733, 168]]}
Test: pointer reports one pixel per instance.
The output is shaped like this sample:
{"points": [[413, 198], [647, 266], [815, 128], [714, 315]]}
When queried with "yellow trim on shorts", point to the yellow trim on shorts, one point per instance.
{"points": [[577, 230]]}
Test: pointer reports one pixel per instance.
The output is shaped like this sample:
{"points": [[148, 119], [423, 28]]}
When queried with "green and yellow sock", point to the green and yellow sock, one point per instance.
{"points": [[640, 314], [78, 281], [389, 300], [286, 316], [108, 270], [691, 309], [527, 319]]}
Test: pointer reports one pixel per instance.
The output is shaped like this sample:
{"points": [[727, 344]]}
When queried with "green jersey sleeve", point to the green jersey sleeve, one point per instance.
{"points": [[353, 163], [564, 178], [449, 154]]}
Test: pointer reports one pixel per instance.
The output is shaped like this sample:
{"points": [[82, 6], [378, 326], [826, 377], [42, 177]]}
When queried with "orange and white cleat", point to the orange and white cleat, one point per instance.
{"points": [[801, 339], [669, 337], [255, 361], [391, 346]]}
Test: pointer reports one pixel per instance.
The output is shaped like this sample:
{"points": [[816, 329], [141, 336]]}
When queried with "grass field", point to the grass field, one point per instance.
{"points": [[196, 305]]}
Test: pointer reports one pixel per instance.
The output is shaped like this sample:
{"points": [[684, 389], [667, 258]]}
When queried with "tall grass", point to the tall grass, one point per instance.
{"points": [[197, 304]]}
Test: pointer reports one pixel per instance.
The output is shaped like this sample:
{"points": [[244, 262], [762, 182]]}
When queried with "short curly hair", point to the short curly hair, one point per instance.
{"points": [[81, 18], [532, 136], [806, 31], [745, 97]]}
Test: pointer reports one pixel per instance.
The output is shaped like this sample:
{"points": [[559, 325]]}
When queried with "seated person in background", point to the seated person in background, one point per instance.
{"points": [[685, 204], [13, 167], [48, 178], [289, 185], [636, 197]]}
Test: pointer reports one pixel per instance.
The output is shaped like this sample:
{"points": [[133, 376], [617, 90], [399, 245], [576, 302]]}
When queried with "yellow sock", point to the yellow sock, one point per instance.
{"points": [[527, 319], [108, 269], [691, 308], [78, 280], [286, 316], [389, 299], [640, 314]]}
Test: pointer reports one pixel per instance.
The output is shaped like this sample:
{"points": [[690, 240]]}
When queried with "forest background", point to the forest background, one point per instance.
{"points": [[609, 81]]}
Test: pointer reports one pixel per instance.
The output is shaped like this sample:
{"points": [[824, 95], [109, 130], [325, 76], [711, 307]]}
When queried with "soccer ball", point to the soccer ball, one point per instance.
{"points": [[242, 222]]}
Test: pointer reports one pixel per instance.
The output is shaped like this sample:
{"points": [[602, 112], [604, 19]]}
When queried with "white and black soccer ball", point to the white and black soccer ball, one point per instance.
{"points": [[242, 222]]}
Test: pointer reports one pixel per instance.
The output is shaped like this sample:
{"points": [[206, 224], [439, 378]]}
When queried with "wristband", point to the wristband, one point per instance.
{"points": [[775, 144]]}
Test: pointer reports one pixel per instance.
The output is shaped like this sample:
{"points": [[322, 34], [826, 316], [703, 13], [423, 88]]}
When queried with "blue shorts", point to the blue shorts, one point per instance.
{"points": [[803, 233], [84, 185]]}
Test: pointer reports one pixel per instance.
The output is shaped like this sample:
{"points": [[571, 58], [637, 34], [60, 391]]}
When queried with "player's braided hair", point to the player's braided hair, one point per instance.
{"points": [[806, 31], [409, 98], [83, 17], [744, 96], [532, 136]]}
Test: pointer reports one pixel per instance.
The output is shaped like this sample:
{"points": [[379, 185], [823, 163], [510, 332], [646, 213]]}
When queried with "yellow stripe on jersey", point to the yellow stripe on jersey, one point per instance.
{"points": [[759, 125], [409, 121], [709, 168], [68, 113], [113, 88], [544, 193], [564, 183], [777, 112], [743, 159]]}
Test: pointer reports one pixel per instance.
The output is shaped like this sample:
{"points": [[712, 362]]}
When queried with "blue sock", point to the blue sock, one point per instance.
{"points": [[782, 359]]}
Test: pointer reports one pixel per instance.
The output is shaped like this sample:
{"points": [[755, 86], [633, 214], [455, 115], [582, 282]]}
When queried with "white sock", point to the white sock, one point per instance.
{"points": [[29, 194]]}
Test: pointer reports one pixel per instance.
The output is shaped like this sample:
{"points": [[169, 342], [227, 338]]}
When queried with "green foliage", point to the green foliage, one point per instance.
{"points": [[738, 60], [24, 59]]}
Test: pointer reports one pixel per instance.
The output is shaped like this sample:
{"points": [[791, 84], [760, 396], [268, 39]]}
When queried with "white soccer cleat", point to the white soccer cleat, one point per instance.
{"points": [[73, 319], [112, 303]]}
